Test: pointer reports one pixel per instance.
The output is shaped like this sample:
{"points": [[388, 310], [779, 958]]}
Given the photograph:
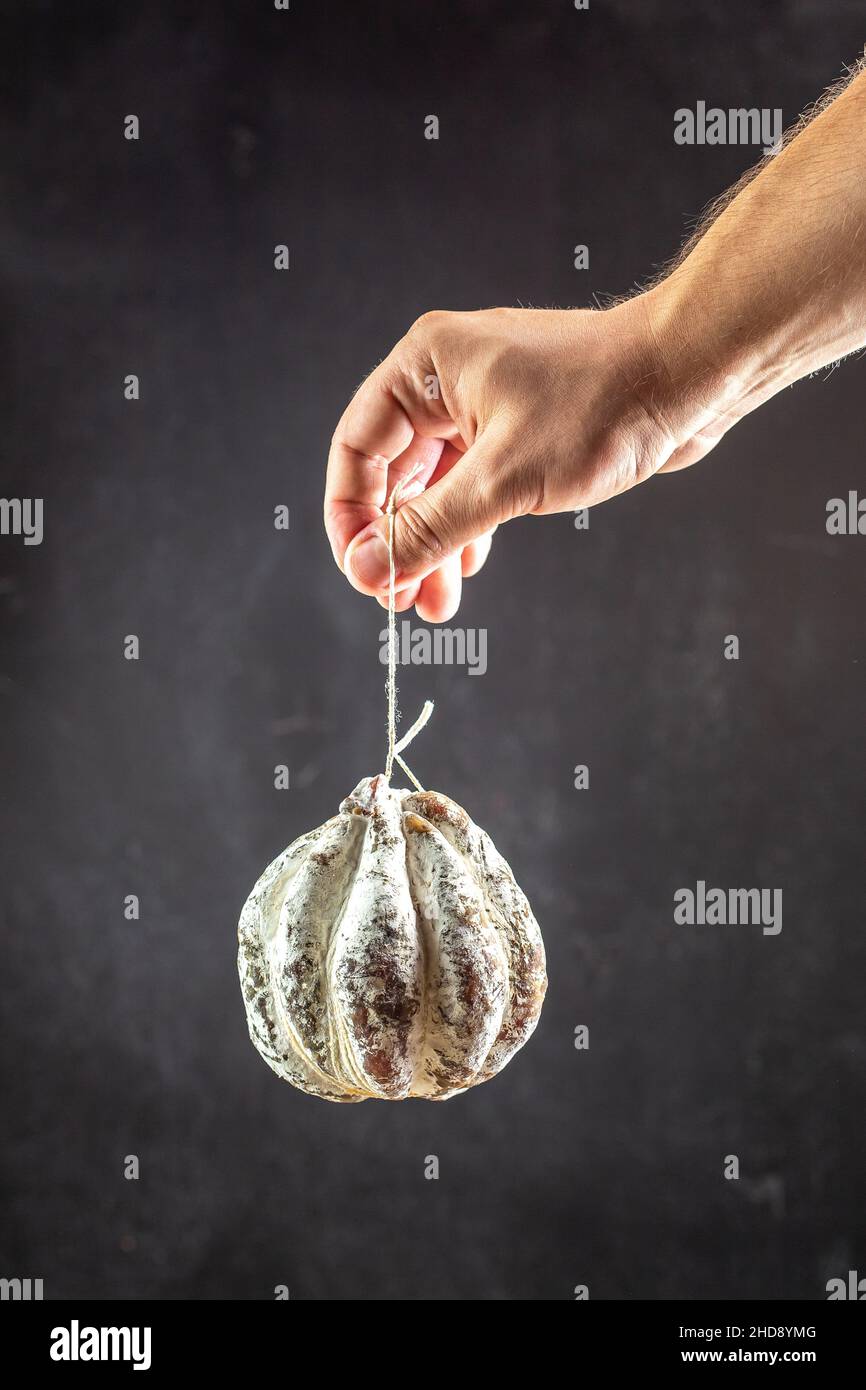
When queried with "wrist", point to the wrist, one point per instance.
{"points": [[711, 367]]}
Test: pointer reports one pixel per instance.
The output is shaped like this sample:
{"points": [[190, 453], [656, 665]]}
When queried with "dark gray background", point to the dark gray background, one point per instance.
{"points": [[156, 778]]}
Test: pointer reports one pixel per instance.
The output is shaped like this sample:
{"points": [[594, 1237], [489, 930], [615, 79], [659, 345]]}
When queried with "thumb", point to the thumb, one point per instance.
{"points": [[464, 504]]}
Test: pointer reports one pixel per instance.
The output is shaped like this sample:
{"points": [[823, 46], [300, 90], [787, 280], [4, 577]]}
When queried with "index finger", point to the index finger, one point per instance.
{"points": [[374, 430]]}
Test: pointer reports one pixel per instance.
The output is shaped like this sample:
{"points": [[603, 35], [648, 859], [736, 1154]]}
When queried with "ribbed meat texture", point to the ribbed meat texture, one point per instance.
{"points": [[390, 953], [466, 978], [280, 958], [375, 967], [510, 915]]}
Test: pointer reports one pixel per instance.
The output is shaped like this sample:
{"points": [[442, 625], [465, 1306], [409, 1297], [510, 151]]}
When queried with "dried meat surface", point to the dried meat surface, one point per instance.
{"points": [[390, 953]]}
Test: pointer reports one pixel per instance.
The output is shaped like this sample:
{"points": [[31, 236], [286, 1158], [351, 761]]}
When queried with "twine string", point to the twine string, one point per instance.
{"points": [[395, 748]]}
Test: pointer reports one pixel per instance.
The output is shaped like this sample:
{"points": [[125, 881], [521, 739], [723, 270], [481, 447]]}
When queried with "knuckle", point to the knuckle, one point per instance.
{"points": [[344, 441], [418, 532], [431, 322]]}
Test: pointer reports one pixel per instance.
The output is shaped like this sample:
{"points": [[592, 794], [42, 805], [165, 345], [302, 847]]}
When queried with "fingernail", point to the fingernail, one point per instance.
{"points": [[369, 562]]}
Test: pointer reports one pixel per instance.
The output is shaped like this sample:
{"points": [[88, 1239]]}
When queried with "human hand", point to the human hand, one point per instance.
{"points": [[508, 412], [502, 413]]}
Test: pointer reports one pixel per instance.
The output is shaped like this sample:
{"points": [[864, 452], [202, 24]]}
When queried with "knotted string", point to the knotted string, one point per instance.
{"points": [[395, 748]]}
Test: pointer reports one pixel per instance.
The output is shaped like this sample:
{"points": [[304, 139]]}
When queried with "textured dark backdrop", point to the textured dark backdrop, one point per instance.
{"points": [[601, 1167]]}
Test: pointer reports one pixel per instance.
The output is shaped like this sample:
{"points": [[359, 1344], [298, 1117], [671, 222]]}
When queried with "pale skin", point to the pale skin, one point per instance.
{"points": [[512, 412]]}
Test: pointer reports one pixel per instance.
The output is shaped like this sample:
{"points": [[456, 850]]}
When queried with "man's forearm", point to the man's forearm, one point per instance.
{"points": [[776, 287]]}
